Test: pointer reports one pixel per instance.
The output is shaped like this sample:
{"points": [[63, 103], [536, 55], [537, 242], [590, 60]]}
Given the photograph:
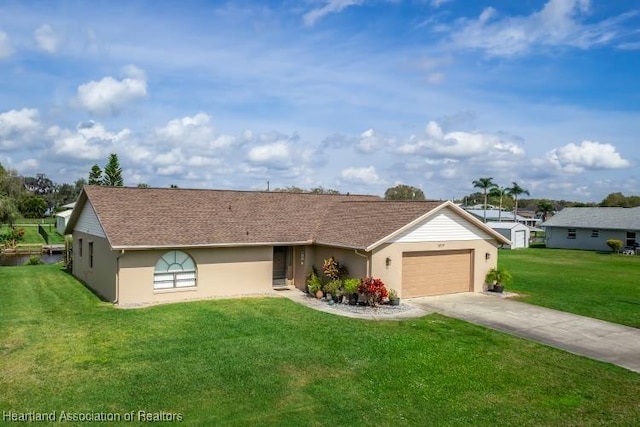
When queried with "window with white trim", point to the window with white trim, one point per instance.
{"points": [[631, 239], [595, 233], [175, 269], [571, 233]]}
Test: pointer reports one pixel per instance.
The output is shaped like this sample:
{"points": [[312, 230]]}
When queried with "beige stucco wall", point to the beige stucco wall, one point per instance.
{"points": [[304, 257], [102, 276], [392, 275], [220, 272], [356, 264]]}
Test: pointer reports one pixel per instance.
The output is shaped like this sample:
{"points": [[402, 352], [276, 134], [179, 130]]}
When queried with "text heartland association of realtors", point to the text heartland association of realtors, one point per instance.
{"points": [[65, 416]]}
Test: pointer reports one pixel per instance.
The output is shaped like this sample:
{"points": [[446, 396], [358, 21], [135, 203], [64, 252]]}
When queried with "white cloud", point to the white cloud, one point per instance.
{"points": [[28, 165], [6, 49], [459, 144], [364, 175], [15, 121], [171, 170], [331, 6], [90, 141], [46, 39], [575, 158], [172, 157], [195, 132], [437, 3], [275, 153], [17, 127], [109, 96], [558, 23], [371, 141]]}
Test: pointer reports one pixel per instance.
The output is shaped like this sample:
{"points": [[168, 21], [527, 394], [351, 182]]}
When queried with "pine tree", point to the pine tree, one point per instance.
{"points": [[95, 176], [113, 172]]}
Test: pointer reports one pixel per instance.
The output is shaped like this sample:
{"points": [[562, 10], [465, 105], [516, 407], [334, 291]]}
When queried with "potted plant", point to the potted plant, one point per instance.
{"points": [[334, 288], [496, 278], [393, 297], [314, 284], [350, 289]]}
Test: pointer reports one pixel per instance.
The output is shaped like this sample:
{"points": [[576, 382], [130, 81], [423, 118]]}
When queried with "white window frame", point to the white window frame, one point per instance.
{"points": [[571, 233], [175, 270]]}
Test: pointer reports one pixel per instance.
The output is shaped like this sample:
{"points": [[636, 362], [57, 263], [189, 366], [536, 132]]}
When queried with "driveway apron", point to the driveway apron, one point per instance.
{"points": [[596, 339]]}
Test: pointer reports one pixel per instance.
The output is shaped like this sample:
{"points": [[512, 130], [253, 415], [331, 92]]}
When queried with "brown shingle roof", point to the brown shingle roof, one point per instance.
{"points": [[361, 223], [161, 217]]}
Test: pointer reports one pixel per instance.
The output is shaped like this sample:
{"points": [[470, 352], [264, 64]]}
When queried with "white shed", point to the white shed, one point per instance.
{"points": [[519, 234], [61, 220]]}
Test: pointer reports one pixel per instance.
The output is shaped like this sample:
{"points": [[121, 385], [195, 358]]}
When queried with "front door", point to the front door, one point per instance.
{"points": [[279, 264]]}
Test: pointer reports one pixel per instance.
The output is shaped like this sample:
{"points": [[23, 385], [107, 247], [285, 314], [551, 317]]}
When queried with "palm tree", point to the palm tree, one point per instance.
{"points": [[514, 192], [545, 208], [485, 184], [499, 192]]}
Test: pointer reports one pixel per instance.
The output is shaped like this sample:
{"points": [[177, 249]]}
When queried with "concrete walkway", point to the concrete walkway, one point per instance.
{"points": [[596, 339]]}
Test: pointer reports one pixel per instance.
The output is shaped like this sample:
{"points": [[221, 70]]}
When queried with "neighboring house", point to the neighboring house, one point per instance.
{"points": [[519, 234], [62, 218], [495, 215], [590, 228], [147, 245]]}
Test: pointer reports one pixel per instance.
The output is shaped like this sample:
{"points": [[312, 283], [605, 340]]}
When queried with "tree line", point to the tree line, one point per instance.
{"points": [[32, 197], [35, 196]]}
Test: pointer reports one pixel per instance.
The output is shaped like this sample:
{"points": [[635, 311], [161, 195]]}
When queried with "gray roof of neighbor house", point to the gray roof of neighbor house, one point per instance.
{"points": [[494, 214], [162, 217], [597, 218]]}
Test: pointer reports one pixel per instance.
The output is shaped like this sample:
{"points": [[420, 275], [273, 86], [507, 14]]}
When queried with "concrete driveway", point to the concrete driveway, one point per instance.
{"points": [[596, 339]]}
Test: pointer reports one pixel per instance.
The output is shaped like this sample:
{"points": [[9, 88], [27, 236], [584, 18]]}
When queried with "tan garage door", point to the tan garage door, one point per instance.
{"points": [[435, 273]]}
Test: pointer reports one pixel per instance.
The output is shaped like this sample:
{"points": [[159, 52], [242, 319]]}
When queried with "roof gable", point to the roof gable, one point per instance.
{"points": [[445, 225], [463, 224]]}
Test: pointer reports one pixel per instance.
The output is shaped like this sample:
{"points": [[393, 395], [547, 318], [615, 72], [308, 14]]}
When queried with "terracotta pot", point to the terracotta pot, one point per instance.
{"points": [[319, 294]]}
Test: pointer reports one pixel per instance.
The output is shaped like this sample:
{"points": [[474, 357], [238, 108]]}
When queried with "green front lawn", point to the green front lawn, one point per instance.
{"points": [[601, 285], [269, 361]]}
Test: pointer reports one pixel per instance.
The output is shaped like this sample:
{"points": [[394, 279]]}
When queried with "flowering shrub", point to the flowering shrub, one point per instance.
{"points": [[373, 290]]}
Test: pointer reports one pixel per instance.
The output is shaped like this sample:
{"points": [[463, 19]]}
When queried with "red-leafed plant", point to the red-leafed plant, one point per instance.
{"points": [[373, 290]]}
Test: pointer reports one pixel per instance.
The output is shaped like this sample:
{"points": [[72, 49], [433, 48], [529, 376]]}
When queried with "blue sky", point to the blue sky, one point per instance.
{"points": [[356, 95]]}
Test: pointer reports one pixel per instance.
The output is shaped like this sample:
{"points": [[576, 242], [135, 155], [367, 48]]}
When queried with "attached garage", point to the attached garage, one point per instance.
{"points": [[436, 273]]}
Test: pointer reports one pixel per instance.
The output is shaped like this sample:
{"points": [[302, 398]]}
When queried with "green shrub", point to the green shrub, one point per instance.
{"points": [[34, 260], [11, 237], [615, 245], [350, 285], [314, 283], [498, 276], [334, 287]]}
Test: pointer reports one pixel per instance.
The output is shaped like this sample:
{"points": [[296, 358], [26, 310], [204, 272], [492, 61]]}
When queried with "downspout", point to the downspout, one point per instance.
{"points": [[118, 276], [368, 261]]}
